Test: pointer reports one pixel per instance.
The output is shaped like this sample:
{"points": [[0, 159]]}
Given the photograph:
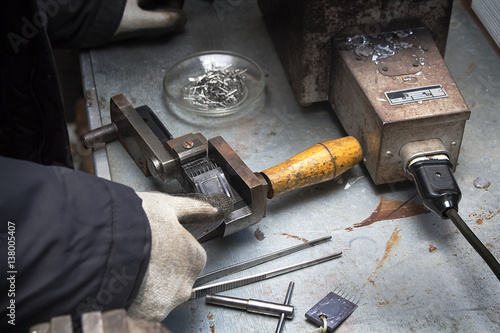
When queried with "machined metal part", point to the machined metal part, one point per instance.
{"points": [[288, 298], [188, 150], [235, 283], [140, 141], [358, 96], [250, 186], [302, 30], [99, 135], [252, 305], [142, 144], [199, 165], [213, 167], [205, 278]]}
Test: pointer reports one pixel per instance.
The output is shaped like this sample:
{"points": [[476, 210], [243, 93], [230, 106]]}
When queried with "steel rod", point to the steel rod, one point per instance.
{"points": [[235, 283], [257, 261]]}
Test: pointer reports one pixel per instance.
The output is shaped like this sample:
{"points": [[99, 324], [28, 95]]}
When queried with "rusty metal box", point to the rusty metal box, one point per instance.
{"points": [[393, 88], [302, 31]]}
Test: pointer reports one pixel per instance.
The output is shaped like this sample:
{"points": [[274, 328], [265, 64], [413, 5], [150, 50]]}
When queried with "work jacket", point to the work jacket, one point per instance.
{"points": [[69, 242]]}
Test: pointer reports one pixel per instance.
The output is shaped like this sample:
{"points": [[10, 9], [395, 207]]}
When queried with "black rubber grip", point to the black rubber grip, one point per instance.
{"points": [[436, 185]]}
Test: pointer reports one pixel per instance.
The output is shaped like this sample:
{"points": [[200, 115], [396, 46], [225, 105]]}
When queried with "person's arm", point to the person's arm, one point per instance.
{"points": [[80, 23], [81, 243]]}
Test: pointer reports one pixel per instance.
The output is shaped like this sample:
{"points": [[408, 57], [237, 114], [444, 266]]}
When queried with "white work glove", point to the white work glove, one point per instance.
{"points": [[157, 19], [176, 257]]}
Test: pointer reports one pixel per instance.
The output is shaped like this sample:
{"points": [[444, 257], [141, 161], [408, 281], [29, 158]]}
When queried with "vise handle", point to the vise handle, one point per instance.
{"points": [[319, 163]]}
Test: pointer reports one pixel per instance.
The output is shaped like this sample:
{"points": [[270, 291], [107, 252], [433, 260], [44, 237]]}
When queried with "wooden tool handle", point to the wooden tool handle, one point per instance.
{"points": [[321, 162]]}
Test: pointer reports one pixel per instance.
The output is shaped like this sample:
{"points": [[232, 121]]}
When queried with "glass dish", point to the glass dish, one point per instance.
{"points": [[214, 84]]}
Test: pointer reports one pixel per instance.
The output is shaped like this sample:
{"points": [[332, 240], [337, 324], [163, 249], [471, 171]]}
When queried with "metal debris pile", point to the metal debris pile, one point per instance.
{"points": [[218, 88], [379, 47]]}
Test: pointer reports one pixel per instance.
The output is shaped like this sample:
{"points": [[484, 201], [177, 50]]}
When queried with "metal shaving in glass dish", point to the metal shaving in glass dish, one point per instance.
{"points": [[218, 88]]}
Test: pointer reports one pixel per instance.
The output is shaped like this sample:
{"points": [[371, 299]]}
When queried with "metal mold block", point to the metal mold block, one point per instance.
{"points": [[384, 112], [302, 30]]}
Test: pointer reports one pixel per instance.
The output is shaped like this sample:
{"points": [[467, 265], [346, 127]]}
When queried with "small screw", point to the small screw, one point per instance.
{"points": [[385, 69], [416, 64], [188, 144]]}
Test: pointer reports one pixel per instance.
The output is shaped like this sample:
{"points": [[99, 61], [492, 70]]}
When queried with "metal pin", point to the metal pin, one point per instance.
{"points": [[288, 297], [251, 305]]}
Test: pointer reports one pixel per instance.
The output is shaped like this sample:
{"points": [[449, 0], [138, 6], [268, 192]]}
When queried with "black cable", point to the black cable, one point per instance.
{"points": [[440, 193], [474, 241]]}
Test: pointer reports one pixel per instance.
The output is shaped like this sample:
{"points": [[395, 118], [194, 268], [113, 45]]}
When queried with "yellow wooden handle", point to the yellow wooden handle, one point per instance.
{"points": [[321, 162]]}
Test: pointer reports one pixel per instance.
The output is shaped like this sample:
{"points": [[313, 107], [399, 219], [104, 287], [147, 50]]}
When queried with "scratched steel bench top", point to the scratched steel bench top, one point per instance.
{"points": [[415, 271]]}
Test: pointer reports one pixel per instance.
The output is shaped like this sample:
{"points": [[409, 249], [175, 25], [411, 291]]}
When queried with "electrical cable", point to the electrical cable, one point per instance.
{"points": [[440, 193], [474, 241]]}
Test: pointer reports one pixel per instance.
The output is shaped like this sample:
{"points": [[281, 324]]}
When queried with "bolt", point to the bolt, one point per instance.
{"points": [[188, 144], [416, 64], [155, 168], [454, 144], [385, 69]]}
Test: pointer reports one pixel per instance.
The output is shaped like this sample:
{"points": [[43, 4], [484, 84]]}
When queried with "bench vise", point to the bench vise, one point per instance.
{"points": [[212, 166]]}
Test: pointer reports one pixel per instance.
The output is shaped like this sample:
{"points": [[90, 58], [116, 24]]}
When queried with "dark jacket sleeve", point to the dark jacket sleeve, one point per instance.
{"points": [[81, 243], [82, 23], [32, 124]]}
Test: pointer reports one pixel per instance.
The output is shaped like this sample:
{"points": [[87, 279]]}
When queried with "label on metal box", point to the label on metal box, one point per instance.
{"points": [[415, 94]]}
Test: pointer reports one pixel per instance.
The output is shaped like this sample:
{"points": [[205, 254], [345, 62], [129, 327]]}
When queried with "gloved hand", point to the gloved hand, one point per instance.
{"points": [[150, 18], [176, 257]]}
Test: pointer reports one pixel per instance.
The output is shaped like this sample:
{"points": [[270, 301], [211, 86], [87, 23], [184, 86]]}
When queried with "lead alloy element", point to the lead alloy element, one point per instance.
{"points": [[219, 87]]}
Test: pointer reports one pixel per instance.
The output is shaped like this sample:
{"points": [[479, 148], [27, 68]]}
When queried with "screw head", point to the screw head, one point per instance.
{"points": [[385, 69], [188, 144]]}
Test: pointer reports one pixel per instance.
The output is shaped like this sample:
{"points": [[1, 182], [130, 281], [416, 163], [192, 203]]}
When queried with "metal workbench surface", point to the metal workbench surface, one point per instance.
{"points": [[413, 270]]}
